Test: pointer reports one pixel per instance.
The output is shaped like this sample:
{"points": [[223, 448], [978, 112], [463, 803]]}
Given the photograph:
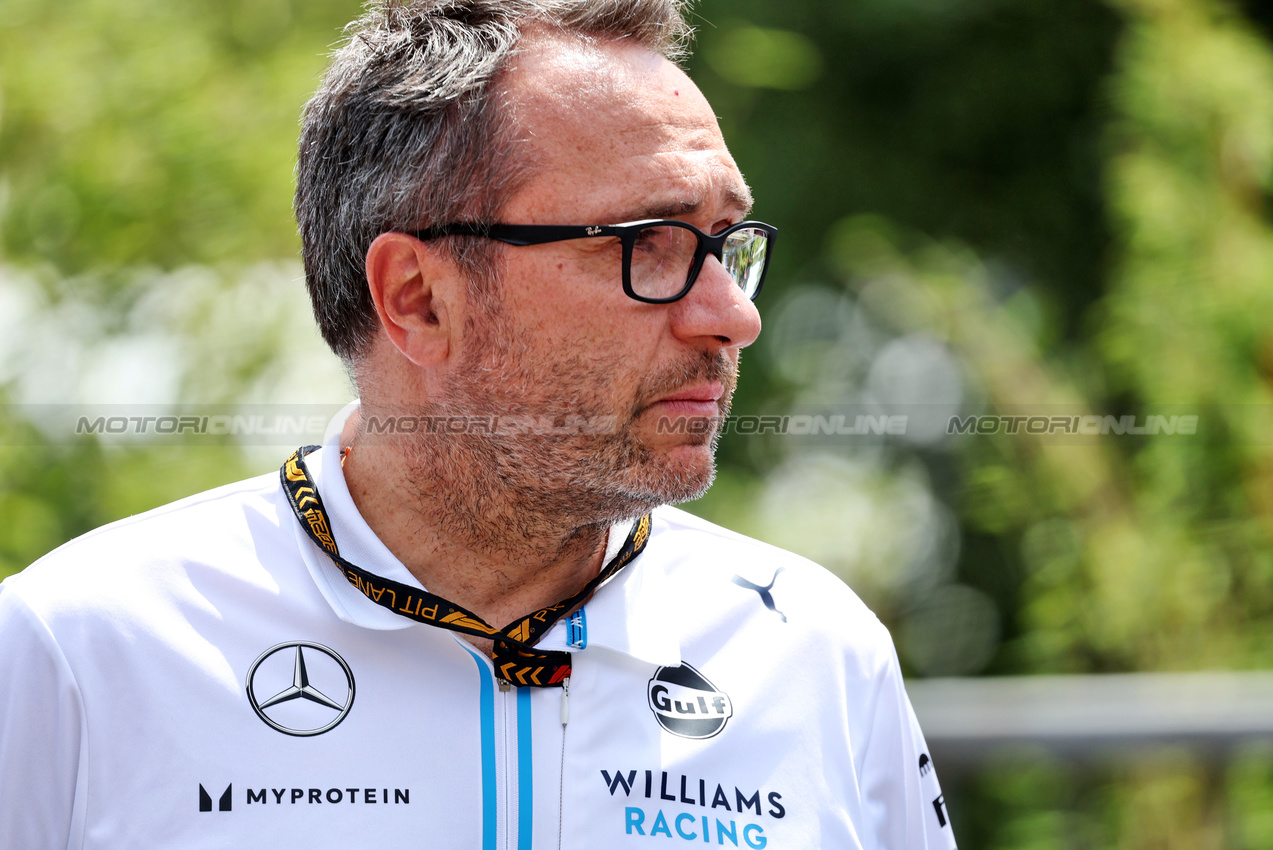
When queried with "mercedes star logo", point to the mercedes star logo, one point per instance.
{"points": [[319, 695]]}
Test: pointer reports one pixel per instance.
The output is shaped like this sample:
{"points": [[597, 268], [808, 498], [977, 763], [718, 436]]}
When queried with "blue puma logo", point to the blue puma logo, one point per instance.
{"points": [[765, 596]]}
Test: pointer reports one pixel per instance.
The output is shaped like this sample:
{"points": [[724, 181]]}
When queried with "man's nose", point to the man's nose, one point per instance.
{"points": [[715, 308]]}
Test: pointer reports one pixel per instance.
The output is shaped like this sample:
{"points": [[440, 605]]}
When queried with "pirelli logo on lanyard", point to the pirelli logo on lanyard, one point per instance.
{"points": [[516, 659]]}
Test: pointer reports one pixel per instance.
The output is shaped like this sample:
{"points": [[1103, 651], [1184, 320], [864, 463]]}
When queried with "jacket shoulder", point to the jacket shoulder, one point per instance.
{"points": [[138, 556]]}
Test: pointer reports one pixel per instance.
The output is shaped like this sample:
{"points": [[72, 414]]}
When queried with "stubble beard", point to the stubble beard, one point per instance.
{"points": [[581, 465]]}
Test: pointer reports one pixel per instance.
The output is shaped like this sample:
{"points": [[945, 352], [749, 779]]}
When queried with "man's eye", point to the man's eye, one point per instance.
{"points": [[651, 238]]}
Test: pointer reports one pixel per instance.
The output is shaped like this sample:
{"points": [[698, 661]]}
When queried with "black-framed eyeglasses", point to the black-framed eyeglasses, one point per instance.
{"points": [[661, 257]]}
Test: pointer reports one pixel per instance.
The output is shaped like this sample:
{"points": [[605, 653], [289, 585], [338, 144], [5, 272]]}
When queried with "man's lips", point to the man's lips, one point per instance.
{"points": [[699, 400]]}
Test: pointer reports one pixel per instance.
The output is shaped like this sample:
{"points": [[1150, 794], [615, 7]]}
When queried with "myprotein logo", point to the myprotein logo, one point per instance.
{"points": [[338, 796], [685, 703]]}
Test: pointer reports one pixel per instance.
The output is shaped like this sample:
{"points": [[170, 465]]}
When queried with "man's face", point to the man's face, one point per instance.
{"points": [[616, 134]]}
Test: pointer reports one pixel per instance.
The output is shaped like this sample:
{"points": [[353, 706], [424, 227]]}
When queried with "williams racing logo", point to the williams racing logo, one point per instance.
{"points": [[686, 704]]}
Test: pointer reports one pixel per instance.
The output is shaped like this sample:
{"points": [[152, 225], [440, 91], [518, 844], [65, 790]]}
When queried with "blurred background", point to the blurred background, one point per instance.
{"points": [[1013, 208]]}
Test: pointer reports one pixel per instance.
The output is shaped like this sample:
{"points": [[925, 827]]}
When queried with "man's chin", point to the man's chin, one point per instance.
{"points": [[681, 474], [691, 489]]}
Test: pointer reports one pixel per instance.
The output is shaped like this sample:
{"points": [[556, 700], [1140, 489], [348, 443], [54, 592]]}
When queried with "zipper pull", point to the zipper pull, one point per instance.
{"points": [[504, 685], [565, 700]]}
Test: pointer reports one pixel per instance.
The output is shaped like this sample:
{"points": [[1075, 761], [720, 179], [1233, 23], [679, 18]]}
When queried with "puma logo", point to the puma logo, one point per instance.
{"points": [[765, 596]]}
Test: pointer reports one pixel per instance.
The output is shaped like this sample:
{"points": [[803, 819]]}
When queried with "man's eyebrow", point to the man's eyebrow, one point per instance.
{"points": [[735, 198]]}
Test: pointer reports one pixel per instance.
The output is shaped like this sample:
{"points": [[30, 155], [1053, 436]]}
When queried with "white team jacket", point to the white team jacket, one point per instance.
{"points": [[202, 676]]}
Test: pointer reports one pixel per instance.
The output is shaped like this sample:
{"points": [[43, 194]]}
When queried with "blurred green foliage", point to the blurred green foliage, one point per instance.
{"points": [[154, 133], [985, 207]]}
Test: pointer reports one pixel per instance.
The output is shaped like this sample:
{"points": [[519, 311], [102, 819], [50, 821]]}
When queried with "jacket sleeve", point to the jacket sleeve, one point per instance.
{"points": [[902, 799], [43, 737]]}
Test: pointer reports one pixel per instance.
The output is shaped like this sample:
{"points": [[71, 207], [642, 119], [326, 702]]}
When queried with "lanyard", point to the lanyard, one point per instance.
{"points": [[516, 659]]}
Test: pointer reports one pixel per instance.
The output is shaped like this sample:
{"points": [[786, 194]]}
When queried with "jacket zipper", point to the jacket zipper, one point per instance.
{"points": [[506, 777], [561, 773]]}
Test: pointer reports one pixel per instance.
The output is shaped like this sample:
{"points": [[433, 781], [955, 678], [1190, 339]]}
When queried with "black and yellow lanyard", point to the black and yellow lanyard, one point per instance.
{"points": [[516, 659]]}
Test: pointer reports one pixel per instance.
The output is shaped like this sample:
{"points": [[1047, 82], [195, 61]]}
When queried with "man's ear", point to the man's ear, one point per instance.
{"points": [[415, 288]]}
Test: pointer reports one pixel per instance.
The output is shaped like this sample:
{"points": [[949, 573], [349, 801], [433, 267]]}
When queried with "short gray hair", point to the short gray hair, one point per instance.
{"points": [[407, 132]]}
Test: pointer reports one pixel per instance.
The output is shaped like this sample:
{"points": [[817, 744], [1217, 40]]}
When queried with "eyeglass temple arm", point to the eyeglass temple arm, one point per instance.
{"points": [[521, 234]]}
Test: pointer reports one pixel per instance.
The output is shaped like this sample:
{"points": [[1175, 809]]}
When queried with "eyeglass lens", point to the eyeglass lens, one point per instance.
{"points": [[663, 255]]}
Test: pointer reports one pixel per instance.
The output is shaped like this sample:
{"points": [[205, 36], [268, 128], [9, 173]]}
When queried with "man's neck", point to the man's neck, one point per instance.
{"points": [[480, 556]]}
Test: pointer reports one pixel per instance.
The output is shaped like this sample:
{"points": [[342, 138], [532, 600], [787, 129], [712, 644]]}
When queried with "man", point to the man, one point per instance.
{"points": [[465, 620]]}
